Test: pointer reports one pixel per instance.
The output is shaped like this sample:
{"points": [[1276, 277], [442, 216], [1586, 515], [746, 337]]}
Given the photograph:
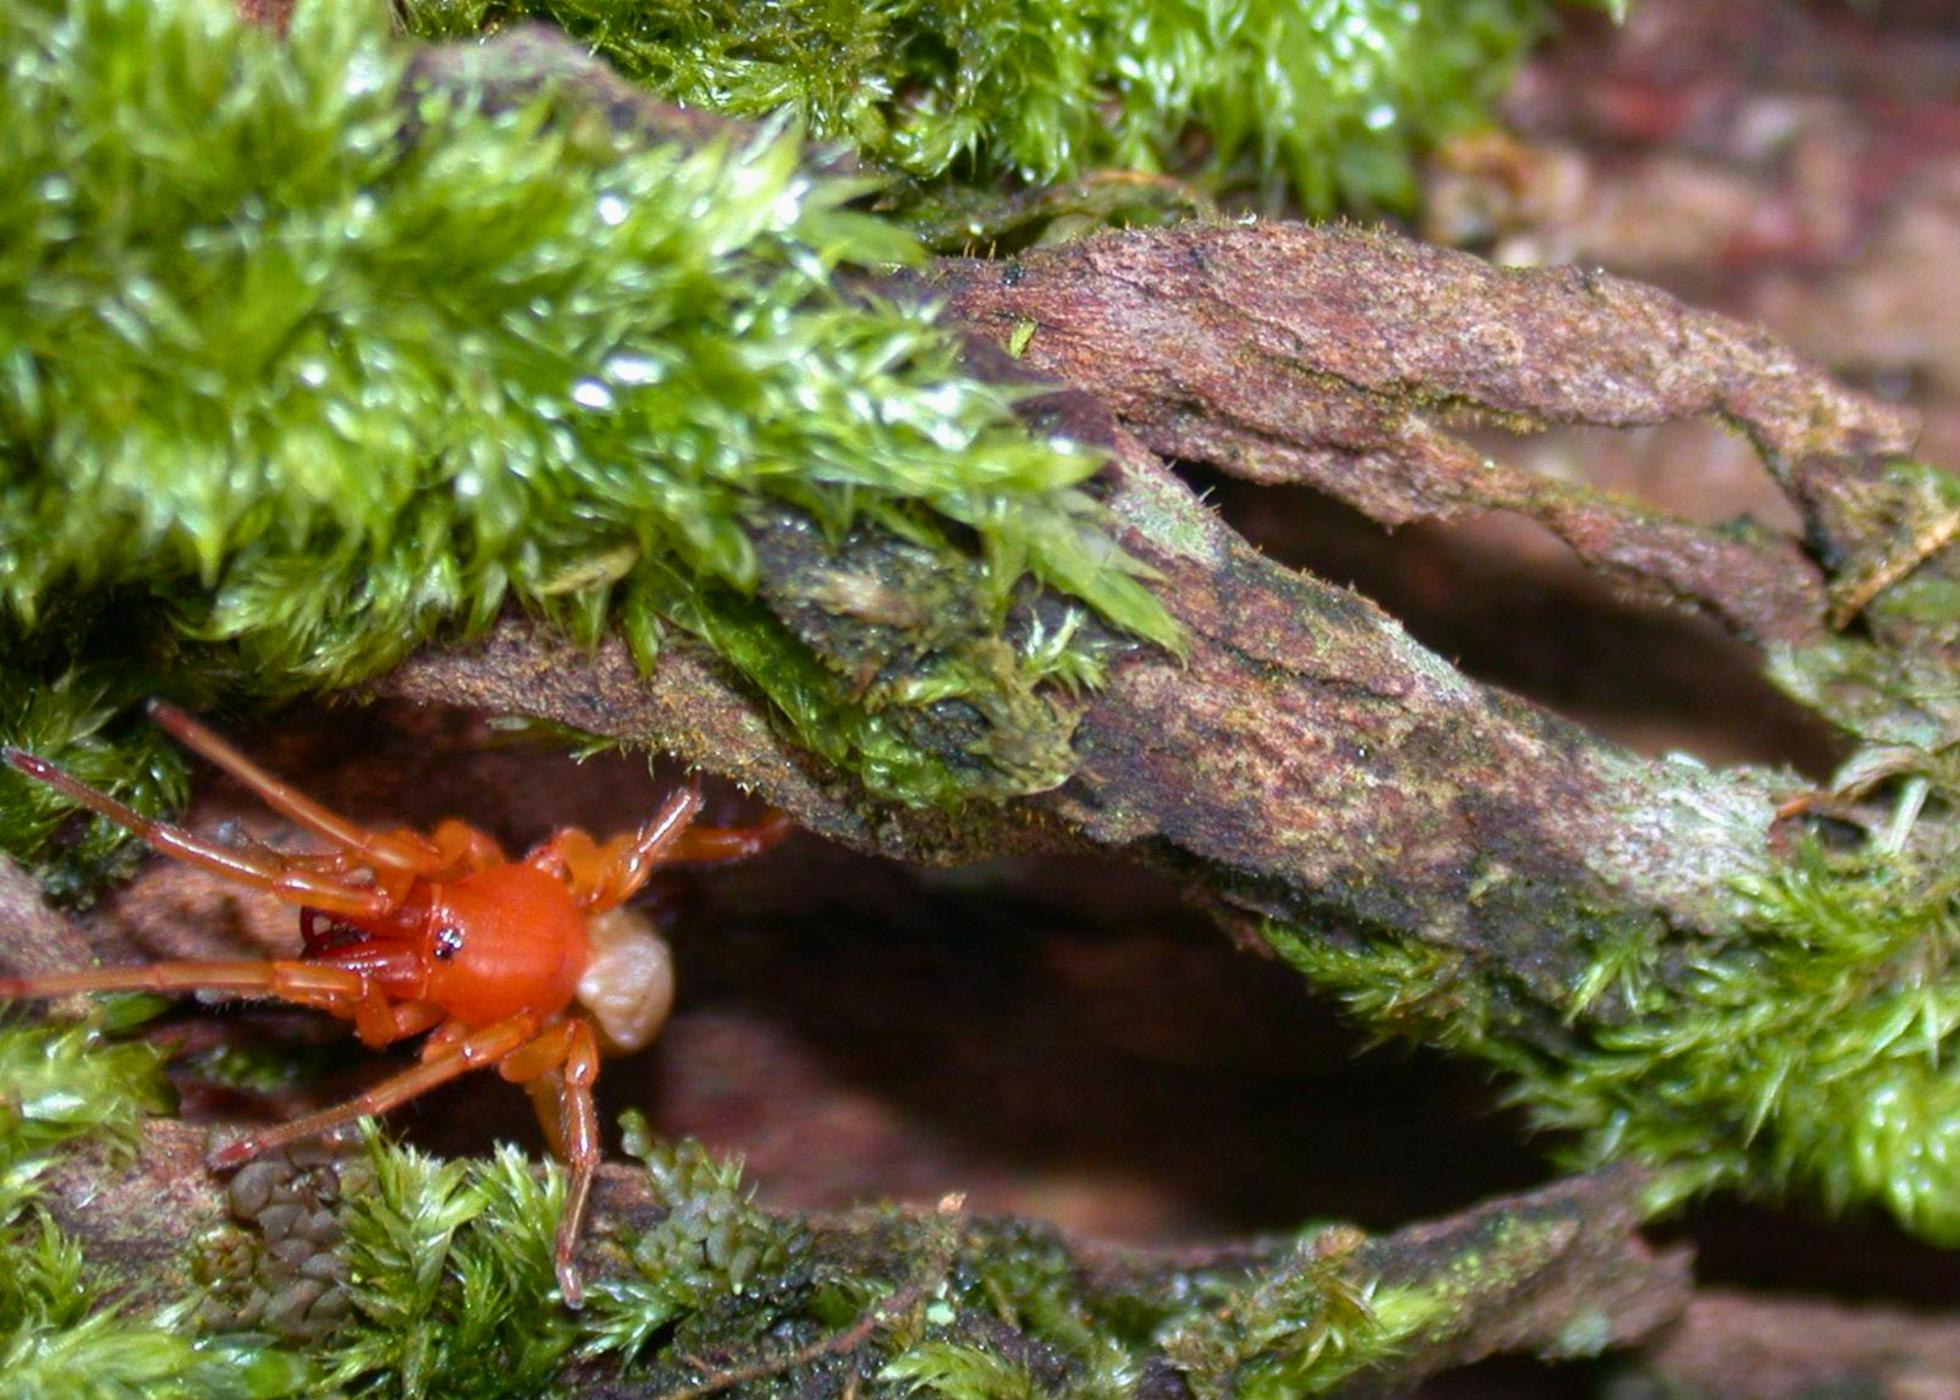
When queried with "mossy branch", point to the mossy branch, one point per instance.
{"points": [[382, 1271], [929, 612], [1526, 892]]}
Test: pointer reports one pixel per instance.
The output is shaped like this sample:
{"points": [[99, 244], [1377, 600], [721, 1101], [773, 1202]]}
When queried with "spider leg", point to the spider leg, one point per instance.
{"points": [[731, 842], [306, 984], [395, 850], [464, 849], [353, 984], [601, 877], [565, 1056], [378, 1021], [462, 1054], [261, 869]]}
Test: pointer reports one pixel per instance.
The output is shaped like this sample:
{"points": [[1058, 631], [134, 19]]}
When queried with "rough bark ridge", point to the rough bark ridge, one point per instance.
{"points": [[1307, 760]]}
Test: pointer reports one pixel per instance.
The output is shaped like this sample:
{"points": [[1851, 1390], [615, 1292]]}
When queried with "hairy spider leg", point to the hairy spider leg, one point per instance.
{"points": [[259, 869], [731, 842], [558, 1069], [601, 877], [400, 850]]}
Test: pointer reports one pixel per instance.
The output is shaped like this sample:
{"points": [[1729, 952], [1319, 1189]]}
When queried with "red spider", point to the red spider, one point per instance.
{"points": [[407, 933]]}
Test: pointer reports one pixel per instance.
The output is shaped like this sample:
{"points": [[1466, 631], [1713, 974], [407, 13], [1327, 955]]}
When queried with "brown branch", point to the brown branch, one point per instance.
{"points": [[1341, 359], [1519, 1273], [1307, 761], [1731, 1346]]}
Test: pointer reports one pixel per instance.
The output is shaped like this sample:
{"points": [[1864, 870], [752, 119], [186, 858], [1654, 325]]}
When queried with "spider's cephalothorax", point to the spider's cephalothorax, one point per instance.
{"points": [[531, 965]]}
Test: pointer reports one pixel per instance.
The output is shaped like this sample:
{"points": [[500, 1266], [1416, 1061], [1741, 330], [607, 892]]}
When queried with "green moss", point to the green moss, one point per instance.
{"points": [[1812, 1051], [453, 1285], [961, 1372], [1322, 100], [60, 1086], [61, 1335], [711, 1247], [65, 693], [454, 1296], [1294, 1328], [450, 1285], [303, 363], [446, 1272]]}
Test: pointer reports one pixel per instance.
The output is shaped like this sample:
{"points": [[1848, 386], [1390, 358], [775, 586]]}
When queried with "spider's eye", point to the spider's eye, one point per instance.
{"points": [[449, 942]]}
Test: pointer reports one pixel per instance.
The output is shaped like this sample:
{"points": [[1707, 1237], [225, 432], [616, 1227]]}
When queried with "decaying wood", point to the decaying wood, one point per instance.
{"points": [[1732, 1346], [1340, 358]]}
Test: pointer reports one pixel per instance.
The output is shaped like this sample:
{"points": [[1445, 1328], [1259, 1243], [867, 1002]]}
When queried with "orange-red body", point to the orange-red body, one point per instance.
{"points": [[502, 941], [480, 948]]}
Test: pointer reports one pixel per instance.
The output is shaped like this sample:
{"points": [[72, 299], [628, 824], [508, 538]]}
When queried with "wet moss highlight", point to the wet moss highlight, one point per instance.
{"points": [[305, 361], [1320, 102]]}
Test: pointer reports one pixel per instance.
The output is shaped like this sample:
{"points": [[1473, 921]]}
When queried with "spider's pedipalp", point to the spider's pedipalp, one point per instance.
{"points": [[602, 876]]}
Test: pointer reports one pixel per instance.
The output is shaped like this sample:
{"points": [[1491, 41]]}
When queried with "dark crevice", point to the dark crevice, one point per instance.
{"points": [[1506, 602]]}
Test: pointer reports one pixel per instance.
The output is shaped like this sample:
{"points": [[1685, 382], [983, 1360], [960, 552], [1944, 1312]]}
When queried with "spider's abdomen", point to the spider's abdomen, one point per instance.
{"points": [[504, 940]]}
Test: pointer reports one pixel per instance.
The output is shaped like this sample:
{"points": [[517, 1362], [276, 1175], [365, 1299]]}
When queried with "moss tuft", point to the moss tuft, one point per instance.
{"points": [[61, 1335], [304, 362], [451, 1277], [66, 693], [712, 1246], [1812, 1052], [1322, 100], [1293, 1328], [63, 1085]]}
